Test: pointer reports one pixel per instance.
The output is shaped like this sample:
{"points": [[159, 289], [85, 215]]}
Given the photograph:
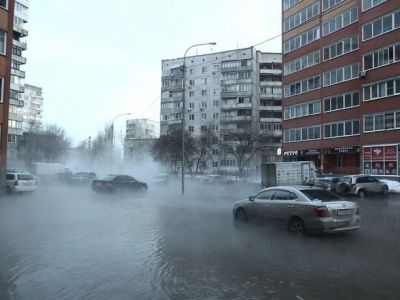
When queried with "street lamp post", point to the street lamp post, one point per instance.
{"points": [[184, 108], [112, 128]]}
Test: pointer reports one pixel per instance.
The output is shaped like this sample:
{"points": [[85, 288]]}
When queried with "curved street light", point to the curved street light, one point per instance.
{"points": [[112, 128], [184, 108]]}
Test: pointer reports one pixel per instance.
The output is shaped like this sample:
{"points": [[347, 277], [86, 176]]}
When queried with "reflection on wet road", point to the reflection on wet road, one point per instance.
{"points": [[69, 243]]}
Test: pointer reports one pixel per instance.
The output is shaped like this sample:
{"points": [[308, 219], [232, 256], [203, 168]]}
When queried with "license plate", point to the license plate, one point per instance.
{"points": [[344, 212]]}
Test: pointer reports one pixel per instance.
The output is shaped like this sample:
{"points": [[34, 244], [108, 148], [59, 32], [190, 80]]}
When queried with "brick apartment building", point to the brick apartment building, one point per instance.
{"points": [[341, 84], [6, 38]]}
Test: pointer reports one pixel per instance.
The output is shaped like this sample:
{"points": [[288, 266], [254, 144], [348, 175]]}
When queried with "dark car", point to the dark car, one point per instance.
{"points": [[83, 178], [327, 183], [118, 183]]}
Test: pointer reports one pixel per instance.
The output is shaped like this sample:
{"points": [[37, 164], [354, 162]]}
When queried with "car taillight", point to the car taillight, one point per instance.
{"points": [[322, 212], [16, 183]]}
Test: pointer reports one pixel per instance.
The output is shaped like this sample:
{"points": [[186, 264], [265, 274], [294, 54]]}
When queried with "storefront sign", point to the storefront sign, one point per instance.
{"points": [[309, 152], [381, 160], [390, 153], [377, 153], [367, 153], [291, 153]]}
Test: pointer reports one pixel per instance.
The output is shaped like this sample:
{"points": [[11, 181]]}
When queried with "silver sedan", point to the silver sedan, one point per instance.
{"points": [[301, 208]]}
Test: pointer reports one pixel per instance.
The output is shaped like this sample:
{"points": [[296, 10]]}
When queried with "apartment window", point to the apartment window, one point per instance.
{"points": [[381, 25], [215, 69], [342, 101], [204, 81], [344, 73], [367, 4], [191, 82], [342, 47], [302, 86], [191, 117], [191, 105], [4, 4], [382, 89], [203, 105], [214, 127], [301, 17], [191, 128], [342, 129], [289, 3], [1, 89], [215, 164], [302, 63], [241, 87], [382, 121], [3, 40], [338, 22], [339, 161], [191, 93], [192, 71], [231, 64], [381, 57], [216, 103], [203, 69], [302, 39], [302, 134], [327, 4], [203, 128], [215, 115], [204, 92], [302, 110], [204, 116]]}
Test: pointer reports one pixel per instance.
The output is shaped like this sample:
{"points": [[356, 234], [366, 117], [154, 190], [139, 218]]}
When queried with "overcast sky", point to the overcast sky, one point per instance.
{"points": [[95, 61]]}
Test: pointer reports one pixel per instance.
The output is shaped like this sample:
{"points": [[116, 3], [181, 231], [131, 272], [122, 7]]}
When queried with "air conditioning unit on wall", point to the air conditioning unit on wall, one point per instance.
{"points": [[363, 74]]}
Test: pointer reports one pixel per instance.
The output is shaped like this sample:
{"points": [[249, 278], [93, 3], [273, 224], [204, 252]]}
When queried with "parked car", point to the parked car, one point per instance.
{"points": [[217, 179], [83, 178], [20, 181], [301, 209], [361, 185], [327, 183], [118, 183]]}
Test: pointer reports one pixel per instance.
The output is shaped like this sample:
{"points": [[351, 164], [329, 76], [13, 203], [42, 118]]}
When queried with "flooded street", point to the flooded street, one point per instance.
{"points": [[70, 243]]}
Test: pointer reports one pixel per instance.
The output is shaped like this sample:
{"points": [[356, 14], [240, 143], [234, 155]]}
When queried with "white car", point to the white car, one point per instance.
{"points": [[20, 181]]}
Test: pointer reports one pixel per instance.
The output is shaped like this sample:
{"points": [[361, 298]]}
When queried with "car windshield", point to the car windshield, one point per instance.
{"points": [[25, 177], [320, 195], [346, 180]]}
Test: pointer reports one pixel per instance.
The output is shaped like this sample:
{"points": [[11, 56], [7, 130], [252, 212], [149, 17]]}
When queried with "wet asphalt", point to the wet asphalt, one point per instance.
{"points": [[65, 242]]}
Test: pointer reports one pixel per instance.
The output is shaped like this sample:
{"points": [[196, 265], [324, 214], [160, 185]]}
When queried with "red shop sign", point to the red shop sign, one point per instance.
{"points": [[377, 153], [391, 153], [367, 153]]}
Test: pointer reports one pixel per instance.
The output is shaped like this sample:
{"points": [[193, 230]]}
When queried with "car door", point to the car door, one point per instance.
{"points": [[375, 184], [261, 203], [282, 205], [131, 183]]}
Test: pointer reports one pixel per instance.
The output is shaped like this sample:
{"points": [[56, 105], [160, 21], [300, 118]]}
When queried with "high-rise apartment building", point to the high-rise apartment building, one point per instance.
{"points": [[342, 84], [6, 37], [32, 111], [139, 138], [19, 34], [228, 93]]}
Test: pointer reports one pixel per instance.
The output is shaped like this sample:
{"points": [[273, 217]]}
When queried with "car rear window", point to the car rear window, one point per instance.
{"points": [[320, 195], [25, 177]]}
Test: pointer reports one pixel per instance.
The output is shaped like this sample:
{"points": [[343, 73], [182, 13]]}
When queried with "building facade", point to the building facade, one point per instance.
{"points": [[341, 84], [19, 35], [229, 93], [139, 139], [32, 111], [6, 38]]}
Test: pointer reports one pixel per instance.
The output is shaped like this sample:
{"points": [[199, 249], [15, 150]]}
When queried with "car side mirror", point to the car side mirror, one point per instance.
{"points": [[251, 198]]}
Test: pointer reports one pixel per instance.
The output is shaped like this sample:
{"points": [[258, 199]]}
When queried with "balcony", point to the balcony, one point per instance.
{"points": [[18, 73], [16, 131], [172, 88], [17, 87], [18, 58], [16, 102], [19, 44], [270, 120], [236, 69], [235, 94], [271, 108], [275, 132], [234, 106], [15, 117], [236, 81], [233, 119], [22, 31], [270, 96], [171, 110], [271, 71]]}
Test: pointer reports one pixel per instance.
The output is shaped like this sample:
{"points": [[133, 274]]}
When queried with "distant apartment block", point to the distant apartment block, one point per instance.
{"points": [[228, 92], [139, 138], [32, 111], [341, 83]]}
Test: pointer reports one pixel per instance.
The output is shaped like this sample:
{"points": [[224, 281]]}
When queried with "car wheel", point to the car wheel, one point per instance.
{"points": [[361, 193], [385, 190], [241, 214], [296, 225]]}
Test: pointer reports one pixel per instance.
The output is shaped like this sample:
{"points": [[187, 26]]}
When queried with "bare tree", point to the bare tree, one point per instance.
{"points": [[241, 144], [49, 145], [202, 150]]}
